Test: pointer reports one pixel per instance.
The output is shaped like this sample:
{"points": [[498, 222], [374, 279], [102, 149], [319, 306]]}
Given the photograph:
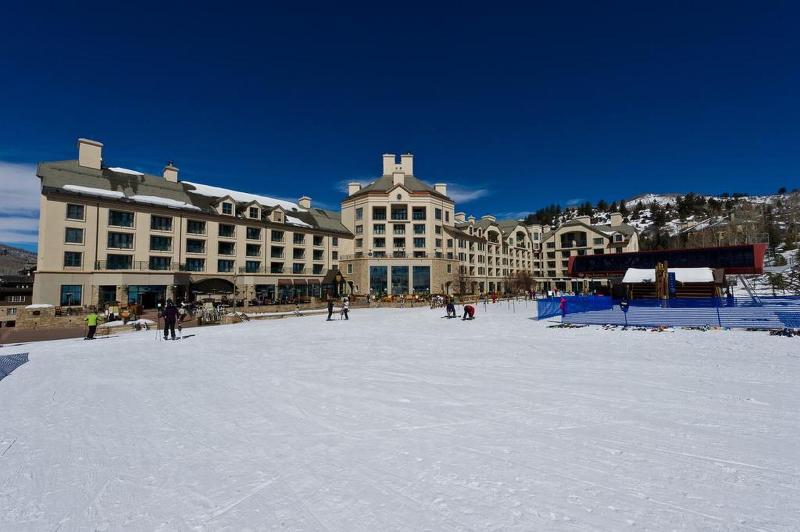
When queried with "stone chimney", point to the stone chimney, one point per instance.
{"points": [[389, 163], [441, 188], [398, 178], [460, 217], [170, 173], [585, 219], [304, 202], [90, 153], [353, 187], [616, 219], [407, 163]]}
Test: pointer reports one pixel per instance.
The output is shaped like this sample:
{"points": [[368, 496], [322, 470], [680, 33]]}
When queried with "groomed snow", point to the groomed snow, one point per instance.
{"points": [[682, 275], [400, 419], [218, 192]]}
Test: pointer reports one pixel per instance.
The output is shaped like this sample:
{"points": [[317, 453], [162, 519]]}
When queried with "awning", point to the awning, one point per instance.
{"points": [[313, 281], [682, 275], [284, 282], [300, 281]]}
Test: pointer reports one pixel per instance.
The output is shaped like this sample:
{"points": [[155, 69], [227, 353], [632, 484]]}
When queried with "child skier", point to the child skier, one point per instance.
{"points": [[469, 312]]}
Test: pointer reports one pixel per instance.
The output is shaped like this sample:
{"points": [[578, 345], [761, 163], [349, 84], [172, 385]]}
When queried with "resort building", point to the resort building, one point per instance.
{"points": [[577, 237], [15, 293], [113, 234]]}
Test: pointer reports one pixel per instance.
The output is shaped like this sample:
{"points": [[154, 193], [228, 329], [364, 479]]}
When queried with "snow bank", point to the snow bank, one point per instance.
{"points": [[218, 192], [39, 305], [682, 275], [121, 323], [94, 191]]}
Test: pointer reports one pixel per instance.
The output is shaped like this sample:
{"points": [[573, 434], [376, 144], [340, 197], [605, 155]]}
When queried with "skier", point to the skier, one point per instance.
{"points": [[345, 309], [563, 306], [451, 308], [91, 321], [330, 308], [170, 317], [469, 312]]}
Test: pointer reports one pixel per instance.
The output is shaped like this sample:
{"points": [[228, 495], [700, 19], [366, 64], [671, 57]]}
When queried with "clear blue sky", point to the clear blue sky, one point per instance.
{"points": [[531, 105]]}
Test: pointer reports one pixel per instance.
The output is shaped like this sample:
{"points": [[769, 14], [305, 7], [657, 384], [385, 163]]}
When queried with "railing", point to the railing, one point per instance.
{"points": [[133, 265], [396, 255]]}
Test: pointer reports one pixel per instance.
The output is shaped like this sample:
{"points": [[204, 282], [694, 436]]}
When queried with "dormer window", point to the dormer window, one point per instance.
{"points": [[618, 238], [227, 208], [253, 212]]}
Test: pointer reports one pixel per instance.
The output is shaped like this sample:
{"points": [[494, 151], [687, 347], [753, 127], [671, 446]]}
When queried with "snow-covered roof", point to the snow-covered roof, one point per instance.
{"points": [[296, 221], [244, 197], [166, 202], [682, 275], [92, 191], [121, 170]]}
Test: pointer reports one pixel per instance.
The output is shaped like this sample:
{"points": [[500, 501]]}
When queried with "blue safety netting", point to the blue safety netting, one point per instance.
{"points": [[547, 308], [765, 313], [9, 363]]}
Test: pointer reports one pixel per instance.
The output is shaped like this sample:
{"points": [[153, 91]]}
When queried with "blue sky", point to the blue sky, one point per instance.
{"points": [[516, 107]]}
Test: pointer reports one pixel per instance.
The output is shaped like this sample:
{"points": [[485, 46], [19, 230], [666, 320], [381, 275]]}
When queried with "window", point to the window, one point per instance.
{"points": [[438, 243], [359, 229], [597, 241], [226, 248], [399, 279], [316, 269], [160, 263], [446, 216], [253, 212], [195, 246], [599, 251], [299, 239], [224, 266], [419, 242], [399, 229], [360, 213], [119, 262], [160, 243], [379, 213], [378, 279], [349, 269], [399, 212], [120, 218], [11, 311], [72, 259], [379, 242], [75, 212], [317, 254], [276, 267], [334, 255], [195, 227], [449, 267], [379, 229], [226, 230], [335, 241], [618, 238], [253, 233], [252, 266], [253, 250], [438, 229], [160, 223], [298, 267], [422, 278], [277, 236], [437, 213], [318, 240], [70, 295], [298, 253], [419, 229], [227, 208], [449, 242], [419, 213], [195, 265], [359, 242], [73, 235], [276, 252], [399, 243], [120, 240]]}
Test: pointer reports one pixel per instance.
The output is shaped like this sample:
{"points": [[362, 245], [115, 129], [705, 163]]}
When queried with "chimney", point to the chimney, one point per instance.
{"points": [[460, 217], [398, 178], [471, 219], [407, 162], [353, 187], [90, 153], [304, 202], [585, 219], [488, 217], [170, 173], [388, 163], [616, 219], [441, 188]]}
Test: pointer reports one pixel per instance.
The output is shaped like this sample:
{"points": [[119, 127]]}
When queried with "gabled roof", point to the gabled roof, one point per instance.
{"points": [[410, 183]]}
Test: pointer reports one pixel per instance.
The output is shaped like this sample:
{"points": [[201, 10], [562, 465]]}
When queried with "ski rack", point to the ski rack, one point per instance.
{"points": [[749, 289]]}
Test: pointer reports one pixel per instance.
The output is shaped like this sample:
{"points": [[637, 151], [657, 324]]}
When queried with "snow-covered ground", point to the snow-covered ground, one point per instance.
{"points": [[400, 419]]}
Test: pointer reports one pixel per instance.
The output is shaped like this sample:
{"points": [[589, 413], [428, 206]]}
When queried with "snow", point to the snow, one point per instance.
{"points": [[94, 191], [132, 323], [166, 202], [39, 305], [400, 419], [121, 170], [218, 192], [296, 221], [682, 275]]}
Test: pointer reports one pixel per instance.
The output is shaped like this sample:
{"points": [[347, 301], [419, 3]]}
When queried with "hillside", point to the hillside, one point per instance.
{"points": [[14, 259]]}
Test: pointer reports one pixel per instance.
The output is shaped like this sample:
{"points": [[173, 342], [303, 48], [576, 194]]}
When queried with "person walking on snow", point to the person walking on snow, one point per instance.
{"points": [[91, 320], [345, 309], [330, 308], [170, 317], [563, 306], [469, 312]]}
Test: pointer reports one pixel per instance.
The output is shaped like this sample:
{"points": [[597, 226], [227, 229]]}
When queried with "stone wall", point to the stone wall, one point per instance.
{"points": [[45, 318]]}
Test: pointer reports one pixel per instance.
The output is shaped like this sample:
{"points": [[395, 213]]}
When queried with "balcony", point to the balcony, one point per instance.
{"points": [[136, 265]]}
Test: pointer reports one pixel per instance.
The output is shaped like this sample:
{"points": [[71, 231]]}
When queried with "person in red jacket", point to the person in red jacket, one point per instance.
{"points": [[563, 306], [469, 312]]}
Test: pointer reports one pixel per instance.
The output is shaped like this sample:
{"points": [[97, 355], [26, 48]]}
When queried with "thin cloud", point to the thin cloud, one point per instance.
{"points": [[514, 215], [341, 185], [462, 194], [19, 229], [575, 201], [19, 189]]}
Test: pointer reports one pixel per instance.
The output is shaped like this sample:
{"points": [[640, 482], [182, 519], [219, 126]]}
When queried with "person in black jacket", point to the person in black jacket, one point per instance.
{"points": [[330, 308], [170, 317]]}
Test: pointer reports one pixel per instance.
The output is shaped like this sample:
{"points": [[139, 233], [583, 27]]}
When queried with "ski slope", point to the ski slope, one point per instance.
{"points": [[399, 419]]}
